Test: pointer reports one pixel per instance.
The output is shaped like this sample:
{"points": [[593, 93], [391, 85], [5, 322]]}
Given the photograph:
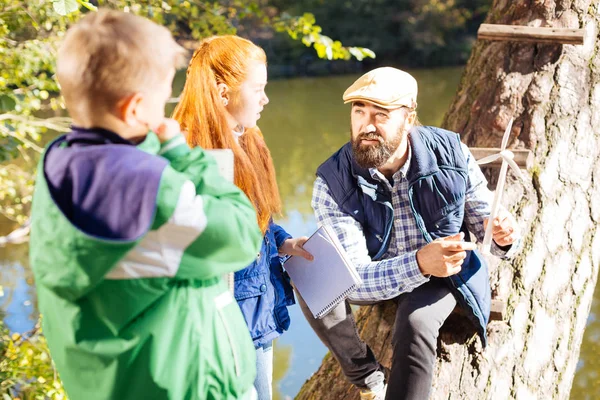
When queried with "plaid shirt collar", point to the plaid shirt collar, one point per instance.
{"points": [[375, 174]]}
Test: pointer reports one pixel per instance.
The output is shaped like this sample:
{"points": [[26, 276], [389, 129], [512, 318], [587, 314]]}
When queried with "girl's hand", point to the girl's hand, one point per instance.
{"points": [[294, 247]]}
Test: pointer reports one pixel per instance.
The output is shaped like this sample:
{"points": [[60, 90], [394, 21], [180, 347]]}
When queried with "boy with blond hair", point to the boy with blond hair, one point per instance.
{"points": [[129, 243]]}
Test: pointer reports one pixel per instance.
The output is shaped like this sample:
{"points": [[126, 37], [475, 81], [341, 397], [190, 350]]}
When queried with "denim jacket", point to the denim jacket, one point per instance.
{"points": [[263, 290]]}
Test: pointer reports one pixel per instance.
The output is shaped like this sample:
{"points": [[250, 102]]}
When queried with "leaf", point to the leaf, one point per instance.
{"points": [[329, 53], [356, 53], [309, 18], [321, 50], [64, 7], [368, 52], [7, 103], [88, 5]]}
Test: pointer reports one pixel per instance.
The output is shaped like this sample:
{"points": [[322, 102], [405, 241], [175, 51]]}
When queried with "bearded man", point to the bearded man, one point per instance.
{"points": [[402, 199]]}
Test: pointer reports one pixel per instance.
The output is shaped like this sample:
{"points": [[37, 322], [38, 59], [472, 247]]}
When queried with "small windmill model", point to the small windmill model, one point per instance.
{"points": [[507, 157]]}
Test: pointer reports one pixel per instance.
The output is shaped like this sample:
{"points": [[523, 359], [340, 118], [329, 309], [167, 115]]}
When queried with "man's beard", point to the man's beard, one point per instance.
{"points": [[375, 155]]}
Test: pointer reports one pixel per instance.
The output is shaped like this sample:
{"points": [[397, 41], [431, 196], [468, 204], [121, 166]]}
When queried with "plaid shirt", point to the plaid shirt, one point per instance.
{"points": [[398, 271]]}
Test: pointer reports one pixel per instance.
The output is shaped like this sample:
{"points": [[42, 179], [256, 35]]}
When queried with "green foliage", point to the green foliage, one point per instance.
{"points": [[408, 33], [202, 18], [305, 27], [29, 33], [64, 7], [26, 369], [16, 192]]}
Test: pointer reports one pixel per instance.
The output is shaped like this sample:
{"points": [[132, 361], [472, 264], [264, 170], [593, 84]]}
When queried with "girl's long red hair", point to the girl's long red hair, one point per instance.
{"points": [[224, 59]]}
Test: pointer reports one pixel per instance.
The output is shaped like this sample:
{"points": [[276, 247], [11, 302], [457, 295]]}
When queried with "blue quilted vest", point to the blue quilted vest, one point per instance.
{"points": [[437, 179]]}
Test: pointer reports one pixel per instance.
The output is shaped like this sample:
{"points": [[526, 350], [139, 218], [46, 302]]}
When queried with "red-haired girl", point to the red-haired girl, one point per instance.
{"points": [[221, 102]]}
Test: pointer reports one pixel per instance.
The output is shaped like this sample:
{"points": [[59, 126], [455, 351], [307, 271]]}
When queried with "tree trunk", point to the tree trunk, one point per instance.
{"points": [[553, 92]]}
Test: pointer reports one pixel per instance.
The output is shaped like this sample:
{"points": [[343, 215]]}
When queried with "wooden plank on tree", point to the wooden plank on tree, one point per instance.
{"points": [[497, 310], [523, 158], [519, 33]]}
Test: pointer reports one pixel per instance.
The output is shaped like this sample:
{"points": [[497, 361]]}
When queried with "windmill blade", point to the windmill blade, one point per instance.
{"points": [[515, 168], [507, 134], [489, 159]]}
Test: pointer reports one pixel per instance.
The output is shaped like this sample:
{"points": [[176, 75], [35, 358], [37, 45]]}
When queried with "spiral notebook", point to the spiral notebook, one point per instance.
{"points": [[327, 280]]}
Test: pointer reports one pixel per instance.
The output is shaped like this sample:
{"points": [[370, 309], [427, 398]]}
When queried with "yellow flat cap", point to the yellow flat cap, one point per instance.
{"points": [[385, 87]]}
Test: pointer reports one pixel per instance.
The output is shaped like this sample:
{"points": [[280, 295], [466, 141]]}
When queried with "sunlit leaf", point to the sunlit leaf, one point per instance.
{"points": [[7, 103], [368, 52], [356, 53], [88, 5], [64, 7], [328, 52]]}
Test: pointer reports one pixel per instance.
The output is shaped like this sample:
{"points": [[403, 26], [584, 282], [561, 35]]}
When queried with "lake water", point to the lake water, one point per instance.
{"points": [[304, 123]]}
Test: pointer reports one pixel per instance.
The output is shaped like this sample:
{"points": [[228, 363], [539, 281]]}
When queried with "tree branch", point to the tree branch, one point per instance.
{"points": [[60, 124]]}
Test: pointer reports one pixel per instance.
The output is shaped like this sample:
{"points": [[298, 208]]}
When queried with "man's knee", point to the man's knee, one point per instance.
{"points": [[417, 324], [337, 315], [340, 313]]}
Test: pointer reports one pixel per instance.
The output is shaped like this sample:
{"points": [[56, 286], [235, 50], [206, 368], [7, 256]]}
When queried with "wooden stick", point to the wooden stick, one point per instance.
{"points": [[497, 310], [523, 158], [487, 238], [518, 33]]}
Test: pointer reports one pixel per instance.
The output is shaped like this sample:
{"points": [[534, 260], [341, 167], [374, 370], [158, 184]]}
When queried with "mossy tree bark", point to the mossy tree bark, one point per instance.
{"points": [[553, 92]]}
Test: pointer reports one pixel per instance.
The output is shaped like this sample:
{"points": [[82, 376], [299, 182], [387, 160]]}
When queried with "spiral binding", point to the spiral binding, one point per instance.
{"points": [[336, 301]]}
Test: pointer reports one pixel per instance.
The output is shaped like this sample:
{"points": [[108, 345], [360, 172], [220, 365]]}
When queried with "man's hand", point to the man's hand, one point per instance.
{"points": [[443, 257], [294, 247], [167, 130], [504, 228]]}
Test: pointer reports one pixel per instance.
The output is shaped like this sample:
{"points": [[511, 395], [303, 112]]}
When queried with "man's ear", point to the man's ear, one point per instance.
{"points": [[223, 91], [128, 109], [411, 118]]}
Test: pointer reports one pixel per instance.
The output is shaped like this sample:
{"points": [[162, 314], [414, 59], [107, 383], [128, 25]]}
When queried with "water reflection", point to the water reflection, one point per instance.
{"points": [[304, 124], [586, 385], [18, 300], [282, 357]]}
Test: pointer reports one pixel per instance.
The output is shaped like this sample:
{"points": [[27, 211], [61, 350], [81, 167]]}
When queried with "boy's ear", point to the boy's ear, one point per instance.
{"points": [[128, 109]]}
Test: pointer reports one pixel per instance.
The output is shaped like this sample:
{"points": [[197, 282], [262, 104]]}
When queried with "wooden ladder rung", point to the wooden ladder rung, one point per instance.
{"points": [[523, 158], [497, 310], [518, 33]]}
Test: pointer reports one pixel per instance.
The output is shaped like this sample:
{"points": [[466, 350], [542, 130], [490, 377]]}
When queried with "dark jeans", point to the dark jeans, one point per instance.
{"points": [[420, 315]]}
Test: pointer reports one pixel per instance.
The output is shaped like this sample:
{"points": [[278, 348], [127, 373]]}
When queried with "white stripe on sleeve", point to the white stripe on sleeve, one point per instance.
{"points": [[159, 253]]}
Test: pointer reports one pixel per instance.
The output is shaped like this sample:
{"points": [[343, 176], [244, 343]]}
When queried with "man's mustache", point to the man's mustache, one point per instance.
{"points": [[370, 136]]}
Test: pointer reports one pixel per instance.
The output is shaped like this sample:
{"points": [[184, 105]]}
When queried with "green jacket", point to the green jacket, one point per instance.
{"points": [[128, 248]]}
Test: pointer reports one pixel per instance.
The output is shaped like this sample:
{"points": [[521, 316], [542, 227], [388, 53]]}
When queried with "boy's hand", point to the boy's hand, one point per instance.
{"points": [[443, 257], [167, 130]]}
